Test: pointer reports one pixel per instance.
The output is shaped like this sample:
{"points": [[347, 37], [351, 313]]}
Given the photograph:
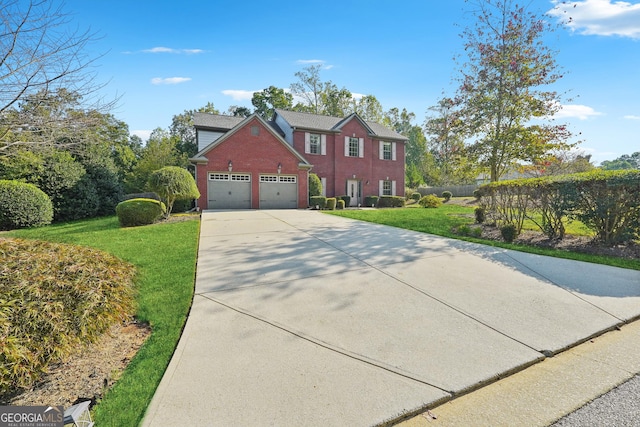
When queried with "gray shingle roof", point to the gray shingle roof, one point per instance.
{"points": [[328, 123], [216, 121]]}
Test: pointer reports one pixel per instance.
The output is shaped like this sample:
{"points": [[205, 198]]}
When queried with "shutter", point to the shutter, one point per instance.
{"points": [[323, 145], [380, 150], [307, 142], [346, 146], [393, 188], [393, 151], [380, 188], [360, 147], [324, 186]]}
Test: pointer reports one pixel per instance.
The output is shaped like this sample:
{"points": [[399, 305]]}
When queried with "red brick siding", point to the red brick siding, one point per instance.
{"points": [[255, 155], [337, 168]]}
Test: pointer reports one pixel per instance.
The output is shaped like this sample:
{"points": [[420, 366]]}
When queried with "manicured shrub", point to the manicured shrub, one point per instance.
{"points": [[315, 187], [371, 201], [391, 202], [55, 299], [509, 232], [430, 201], [331, 203], [446, 195], [139, 212], [173, 183], [480, 214], [148, 195], [347, 199], [23, 205], [340, 204], [416, 196], [318, 202]]}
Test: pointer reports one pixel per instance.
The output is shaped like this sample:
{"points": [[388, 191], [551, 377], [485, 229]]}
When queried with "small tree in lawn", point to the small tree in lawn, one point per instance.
{"points": [[504, 94], [173, 183]]}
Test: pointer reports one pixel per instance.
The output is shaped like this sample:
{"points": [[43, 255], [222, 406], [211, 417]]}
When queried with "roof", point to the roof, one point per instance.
{"points": [[216, 121], [334, 124]]}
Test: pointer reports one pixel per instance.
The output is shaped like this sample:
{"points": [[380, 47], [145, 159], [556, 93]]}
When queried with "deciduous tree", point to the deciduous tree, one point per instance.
{"points": [[504, 89], [267, 100]]}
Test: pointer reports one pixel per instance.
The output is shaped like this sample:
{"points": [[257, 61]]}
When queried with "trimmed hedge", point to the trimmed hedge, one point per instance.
{"points": [[331, 203], [371, 201], [347, 199], [318, 202], [23, 205], [430, 201], [608, 202], [139, 212], [391, 202], [340, 204]]}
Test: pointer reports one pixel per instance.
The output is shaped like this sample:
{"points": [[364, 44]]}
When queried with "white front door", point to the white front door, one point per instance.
{"points": [[353, 190]]}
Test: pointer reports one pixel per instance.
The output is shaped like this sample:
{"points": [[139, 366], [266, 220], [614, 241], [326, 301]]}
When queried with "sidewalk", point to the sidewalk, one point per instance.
{"points": [[302, 318]]}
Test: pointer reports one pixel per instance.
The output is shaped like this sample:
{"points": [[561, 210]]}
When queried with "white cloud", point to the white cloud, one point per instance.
{"points": [[162, 49], [310, 61], [169, 80], [143, 134], [581, 112], [321, 62], [600, 17], [239, 95], [632, 117]]}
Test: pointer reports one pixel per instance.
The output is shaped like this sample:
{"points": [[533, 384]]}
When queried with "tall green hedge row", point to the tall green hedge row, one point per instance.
{"points": [[608, 202]]}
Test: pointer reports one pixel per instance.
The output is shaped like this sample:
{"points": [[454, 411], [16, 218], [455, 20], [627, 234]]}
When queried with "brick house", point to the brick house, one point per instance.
{"points": [[254, 164]]}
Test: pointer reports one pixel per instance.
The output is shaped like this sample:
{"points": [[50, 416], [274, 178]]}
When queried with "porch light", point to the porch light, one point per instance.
{"points": [[354, 176], [230, 165], [279, 167]]}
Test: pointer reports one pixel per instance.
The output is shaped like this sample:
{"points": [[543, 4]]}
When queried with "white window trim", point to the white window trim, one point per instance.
{"points": [[381, 150], [347, 140], [323, 144]]}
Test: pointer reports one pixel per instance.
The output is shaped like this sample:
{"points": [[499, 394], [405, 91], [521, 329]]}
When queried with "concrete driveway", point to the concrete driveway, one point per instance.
{"points": [[302, 318]]}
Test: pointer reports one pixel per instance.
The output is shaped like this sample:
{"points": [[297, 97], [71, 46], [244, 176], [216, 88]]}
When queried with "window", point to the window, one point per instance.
{"points": [[255, 130], [278, 178], [386, 188], [314, 143], [218, 177], [353, 147], [387, 150]]}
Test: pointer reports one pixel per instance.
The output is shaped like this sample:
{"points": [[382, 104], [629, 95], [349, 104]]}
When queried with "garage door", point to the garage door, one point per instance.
{"points": [[229, 191], [278, 192]]}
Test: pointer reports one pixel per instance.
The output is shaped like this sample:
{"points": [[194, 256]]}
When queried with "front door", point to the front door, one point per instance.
{"points": [[353, 190]]}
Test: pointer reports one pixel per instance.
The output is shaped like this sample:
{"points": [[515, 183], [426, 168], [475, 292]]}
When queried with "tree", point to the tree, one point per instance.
{"points": [[502, 87], [623, 162], [40, 58], [267, 100], [336, 102], [238, 111], [173, 183], [369, 108], [182, 129], [309, 88], [161, 150], [446, 144]]}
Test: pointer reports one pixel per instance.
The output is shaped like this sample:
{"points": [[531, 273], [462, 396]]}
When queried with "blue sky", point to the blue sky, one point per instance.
{"points": [[166, 57]]}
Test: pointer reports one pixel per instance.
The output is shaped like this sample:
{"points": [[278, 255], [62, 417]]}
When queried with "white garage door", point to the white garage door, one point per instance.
{"points": [[278, 192], [229, 191]]}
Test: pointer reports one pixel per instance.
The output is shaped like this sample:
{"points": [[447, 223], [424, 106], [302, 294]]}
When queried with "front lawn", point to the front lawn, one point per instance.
{"points": [[444, 220], [165, 257]]}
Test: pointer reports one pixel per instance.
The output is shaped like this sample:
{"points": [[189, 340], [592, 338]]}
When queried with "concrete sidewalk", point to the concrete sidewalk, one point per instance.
{"points": [[302, 318]]}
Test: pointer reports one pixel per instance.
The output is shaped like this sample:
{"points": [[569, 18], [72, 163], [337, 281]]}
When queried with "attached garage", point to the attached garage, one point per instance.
{"points": [[229, 191], [278, 192]]}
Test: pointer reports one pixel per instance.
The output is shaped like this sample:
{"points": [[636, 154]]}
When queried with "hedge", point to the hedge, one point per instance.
{"points": [[23, 205], [608, 202]]}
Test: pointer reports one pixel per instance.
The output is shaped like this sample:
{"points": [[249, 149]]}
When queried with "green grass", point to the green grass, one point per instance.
{"points": [[165, 257], [443, 220]]}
